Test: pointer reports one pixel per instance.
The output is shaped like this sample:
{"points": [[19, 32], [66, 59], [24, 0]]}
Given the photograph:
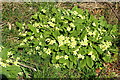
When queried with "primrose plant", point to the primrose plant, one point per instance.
{"points": [[68, 38]]}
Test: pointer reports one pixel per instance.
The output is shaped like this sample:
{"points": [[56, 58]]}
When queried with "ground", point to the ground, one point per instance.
{"points": [[12, 12]]}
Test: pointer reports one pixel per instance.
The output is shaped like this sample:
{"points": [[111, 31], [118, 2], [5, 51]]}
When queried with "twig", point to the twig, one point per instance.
{"points": [[27, 66]]}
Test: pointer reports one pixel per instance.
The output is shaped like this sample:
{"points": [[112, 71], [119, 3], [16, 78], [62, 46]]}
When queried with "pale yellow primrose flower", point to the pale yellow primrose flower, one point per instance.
{"points": [[48, 51], [75, 12], [72, 25], [0, 49], [37, 48], [84, 43], [66, 21], [66, 40], [46, 26], [74, 53], [82, 17], [23, 34], [15, 63], [32, 37], [57, 57], [64, 63], [21, 44], [9, 53], [57, 28], [73, 44], [44, 49], [68, 28], [36, 24], [90, 33], [90, 53], [61, 56], [56, 65], [37, 30], [61, 43], [3, 64], [61, 37], [72, 39], [40, 53], [20, 73], [66, 56], [41, 36], [62, 17], [52, 42], [40, 43], [105, 45], [94, 24], [51, 24], [18, 58], [43, 10], [48, 39], [93, 57], [80, 56], [25, 40], [53, 19]]}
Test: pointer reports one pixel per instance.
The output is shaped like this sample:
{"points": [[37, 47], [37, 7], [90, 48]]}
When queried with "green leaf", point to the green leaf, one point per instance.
{"points": [[63, 47], [11, 71], [46, 34], [71, 57], [34, 16], [107, 58], [32, 28], [54, 61], [13, 68], [56, 33], [62, 60], [84, 33], [97, 49], [108, 38], [74, 8], [19, 25], [3, 53], [74, 33], [71, 65], [89, 62], [44, 56], [82, 63]]}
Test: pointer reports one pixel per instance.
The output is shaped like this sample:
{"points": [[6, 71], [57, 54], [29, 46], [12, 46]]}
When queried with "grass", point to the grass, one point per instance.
{"points": [[21, 12]]}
